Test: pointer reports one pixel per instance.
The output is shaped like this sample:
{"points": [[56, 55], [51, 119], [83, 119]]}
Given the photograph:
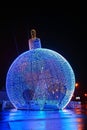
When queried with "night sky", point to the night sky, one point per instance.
{"points": [[64, 31]]}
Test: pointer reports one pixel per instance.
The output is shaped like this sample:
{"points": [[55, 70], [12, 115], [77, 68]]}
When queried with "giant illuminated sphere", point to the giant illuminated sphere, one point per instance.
{"points": [[40, 78]]}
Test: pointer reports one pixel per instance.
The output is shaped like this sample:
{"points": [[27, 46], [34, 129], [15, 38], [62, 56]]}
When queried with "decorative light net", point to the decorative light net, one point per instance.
{"points": [[40, 79]]}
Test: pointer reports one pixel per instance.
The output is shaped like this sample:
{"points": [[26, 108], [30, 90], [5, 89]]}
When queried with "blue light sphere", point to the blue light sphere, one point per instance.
{"points": [[40, 78]]}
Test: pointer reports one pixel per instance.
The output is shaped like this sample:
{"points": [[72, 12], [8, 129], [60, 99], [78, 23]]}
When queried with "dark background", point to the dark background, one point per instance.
{"points": [[62, 30]]}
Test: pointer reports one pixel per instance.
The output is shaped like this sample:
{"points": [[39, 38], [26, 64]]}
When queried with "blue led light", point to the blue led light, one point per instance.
{"points": [[40, 78]]}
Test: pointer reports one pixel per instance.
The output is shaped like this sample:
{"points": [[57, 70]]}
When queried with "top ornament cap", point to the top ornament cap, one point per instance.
{"points": [[34, 42]]}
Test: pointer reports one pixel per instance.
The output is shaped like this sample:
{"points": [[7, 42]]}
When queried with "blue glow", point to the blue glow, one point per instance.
{"points": [[46, 120], [40, 78]]}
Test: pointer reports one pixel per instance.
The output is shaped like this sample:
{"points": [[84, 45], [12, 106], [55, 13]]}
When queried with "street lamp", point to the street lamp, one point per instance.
{"points": [[76, 85]]}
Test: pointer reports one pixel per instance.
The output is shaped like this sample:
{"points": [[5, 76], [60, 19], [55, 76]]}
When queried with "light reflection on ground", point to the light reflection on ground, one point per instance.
{"points": [[74, 119]]}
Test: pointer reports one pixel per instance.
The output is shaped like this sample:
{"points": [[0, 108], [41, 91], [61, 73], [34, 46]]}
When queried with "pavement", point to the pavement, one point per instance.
{"points": [[67, 119]]}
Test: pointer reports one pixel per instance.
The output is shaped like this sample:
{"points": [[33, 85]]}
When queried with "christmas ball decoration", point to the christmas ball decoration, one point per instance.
{"points": [[40, 78]]}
